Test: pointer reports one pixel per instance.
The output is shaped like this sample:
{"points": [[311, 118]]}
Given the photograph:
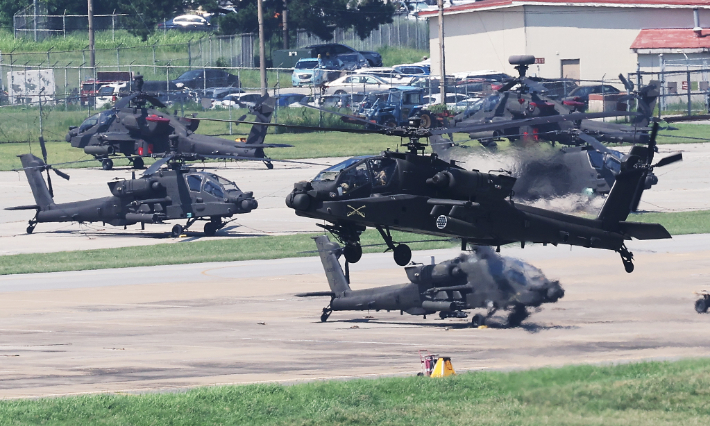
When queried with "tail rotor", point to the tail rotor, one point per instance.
{"points": [[47, 167]]}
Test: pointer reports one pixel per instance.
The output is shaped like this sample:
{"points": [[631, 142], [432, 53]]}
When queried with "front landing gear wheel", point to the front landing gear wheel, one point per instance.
{"points": [[177, 231], [517, 315], [107, 164], [629, 267], [352, 253], [326, 313], [210, 229], [30, 229], [701, 306], [478, 320], [402, 254], [627, 258]]}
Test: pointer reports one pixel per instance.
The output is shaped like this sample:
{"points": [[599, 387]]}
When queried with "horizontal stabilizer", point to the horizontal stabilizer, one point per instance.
{"points": [[644, 231], [34, 207], [316, 294]]}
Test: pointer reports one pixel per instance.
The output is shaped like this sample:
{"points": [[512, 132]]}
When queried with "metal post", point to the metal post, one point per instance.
{"points": [[262, 49], [167, 77], [662, 104], [34, 21], [153, 58], [66, 73], [113, 26], [64, 23], [284, 16], [442, 81], [690, 105], [118, 61], [92, 61], [189, 56]]}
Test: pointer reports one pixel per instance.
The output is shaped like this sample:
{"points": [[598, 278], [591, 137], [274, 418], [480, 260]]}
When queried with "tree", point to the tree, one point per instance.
{"points": [[317, 17]]}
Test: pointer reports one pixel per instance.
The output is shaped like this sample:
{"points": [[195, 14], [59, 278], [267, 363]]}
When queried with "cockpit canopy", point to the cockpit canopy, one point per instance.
{"points": [[103, 119], [210, 183], [359, 172]]}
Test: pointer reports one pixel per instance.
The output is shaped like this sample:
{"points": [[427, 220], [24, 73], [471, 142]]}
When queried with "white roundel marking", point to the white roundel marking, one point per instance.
{"points": [[441, 222]]}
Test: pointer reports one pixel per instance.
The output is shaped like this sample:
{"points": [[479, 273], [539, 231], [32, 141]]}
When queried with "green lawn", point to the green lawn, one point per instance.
{"points": [[649, 394], [269, 247]]}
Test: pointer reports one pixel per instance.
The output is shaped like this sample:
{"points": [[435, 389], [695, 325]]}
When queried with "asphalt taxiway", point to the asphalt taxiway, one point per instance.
{"points": [[171, 327]]}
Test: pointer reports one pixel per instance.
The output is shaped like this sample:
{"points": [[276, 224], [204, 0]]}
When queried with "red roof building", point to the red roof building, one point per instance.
{"points": [[671, 40]]}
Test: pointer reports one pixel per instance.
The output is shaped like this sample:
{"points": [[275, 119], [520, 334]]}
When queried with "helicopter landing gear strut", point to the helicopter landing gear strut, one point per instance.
{"points": [[214, 225], [138, 162], [31, 226], [627, 258], [326, 313], [179, 229], [349, 236], [479, 320], [402, 252]]}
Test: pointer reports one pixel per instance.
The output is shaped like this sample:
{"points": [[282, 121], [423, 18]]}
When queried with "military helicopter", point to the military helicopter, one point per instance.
{"points": [[483, 279], [423, 194], [133, 129], [522, 98], [173, 192]]}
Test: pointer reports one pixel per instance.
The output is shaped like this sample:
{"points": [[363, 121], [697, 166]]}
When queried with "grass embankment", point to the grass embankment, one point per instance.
{"points": [[226, 250], [653, 393], [268, 247]]}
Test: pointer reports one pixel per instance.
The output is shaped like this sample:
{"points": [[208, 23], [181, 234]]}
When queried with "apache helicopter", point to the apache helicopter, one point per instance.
{"points": [[133, 129], [522, 98], [483, 279], [423, 194], [160, 194]]}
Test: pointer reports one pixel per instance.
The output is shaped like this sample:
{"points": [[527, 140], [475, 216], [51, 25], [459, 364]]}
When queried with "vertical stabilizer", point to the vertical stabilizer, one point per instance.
{"points": [[262, 111], [646, 103], [329, 253], [33, 169]]}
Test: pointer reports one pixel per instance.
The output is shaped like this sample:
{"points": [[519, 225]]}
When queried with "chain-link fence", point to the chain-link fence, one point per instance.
{"points": [[684, 86], [402, 32]]}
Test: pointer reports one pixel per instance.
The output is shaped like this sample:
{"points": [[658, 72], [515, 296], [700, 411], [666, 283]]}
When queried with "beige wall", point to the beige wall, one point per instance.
{"points": [[480, 41], [599, 36]]}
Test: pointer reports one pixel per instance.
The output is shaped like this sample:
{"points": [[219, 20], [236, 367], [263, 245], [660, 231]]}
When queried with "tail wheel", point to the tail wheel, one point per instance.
{"points": [[210, 229], [402, 254], [478, 320], [352, 253], [426, 121], [177, 231]]}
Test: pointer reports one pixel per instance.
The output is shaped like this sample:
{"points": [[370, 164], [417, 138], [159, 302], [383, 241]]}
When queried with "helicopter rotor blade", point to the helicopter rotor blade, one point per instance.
{"points": [[49, 184], [348, 116], [157, 165], [627, 84], [669, 160], [60, 173], [294, 126], [593, 142], [44, 148]]}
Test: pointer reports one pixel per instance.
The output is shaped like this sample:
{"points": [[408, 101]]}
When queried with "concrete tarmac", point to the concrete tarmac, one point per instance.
{"points": [[172, 327]]}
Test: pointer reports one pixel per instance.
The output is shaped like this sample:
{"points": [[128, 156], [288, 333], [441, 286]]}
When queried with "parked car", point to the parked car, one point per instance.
{"points": [[286, 99], [412, 69], [315, 71], [108, 94], [581, 93], [355, 83], [452, 99], [373, 58], [395, 107], [195, 79], [186, 23], [556, 88], [390, 75], [351, 100], [353, 61], [238, 100], [219, 93]]}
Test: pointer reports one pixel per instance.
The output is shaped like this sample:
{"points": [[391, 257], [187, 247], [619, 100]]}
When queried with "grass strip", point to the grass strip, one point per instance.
{"points": [[225, 250], [649, 393], [268, 247]]}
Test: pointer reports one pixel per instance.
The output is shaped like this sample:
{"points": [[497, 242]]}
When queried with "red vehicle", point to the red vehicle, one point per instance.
{"points": [[90, 87]]}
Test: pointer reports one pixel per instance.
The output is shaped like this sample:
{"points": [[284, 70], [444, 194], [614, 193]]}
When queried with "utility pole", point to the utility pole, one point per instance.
{"points": [[92, 52], [442, 81], [285, 24], [262, 49], [34, 21]]}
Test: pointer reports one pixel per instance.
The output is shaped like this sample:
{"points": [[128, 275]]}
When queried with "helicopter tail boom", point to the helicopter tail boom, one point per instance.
{"points": [[33, 169], [333, 271]]}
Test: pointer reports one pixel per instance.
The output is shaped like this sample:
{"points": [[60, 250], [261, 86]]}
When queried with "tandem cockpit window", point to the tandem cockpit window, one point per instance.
{"points": [[383, 170], [332, 172], [194, 182], [353, 178], [213, 188], [104, 119], [227, 185]]}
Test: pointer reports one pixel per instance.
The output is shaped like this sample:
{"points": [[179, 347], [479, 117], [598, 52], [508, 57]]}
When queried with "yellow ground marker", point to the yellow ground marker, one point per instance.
{"points": [[443, 367]]}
